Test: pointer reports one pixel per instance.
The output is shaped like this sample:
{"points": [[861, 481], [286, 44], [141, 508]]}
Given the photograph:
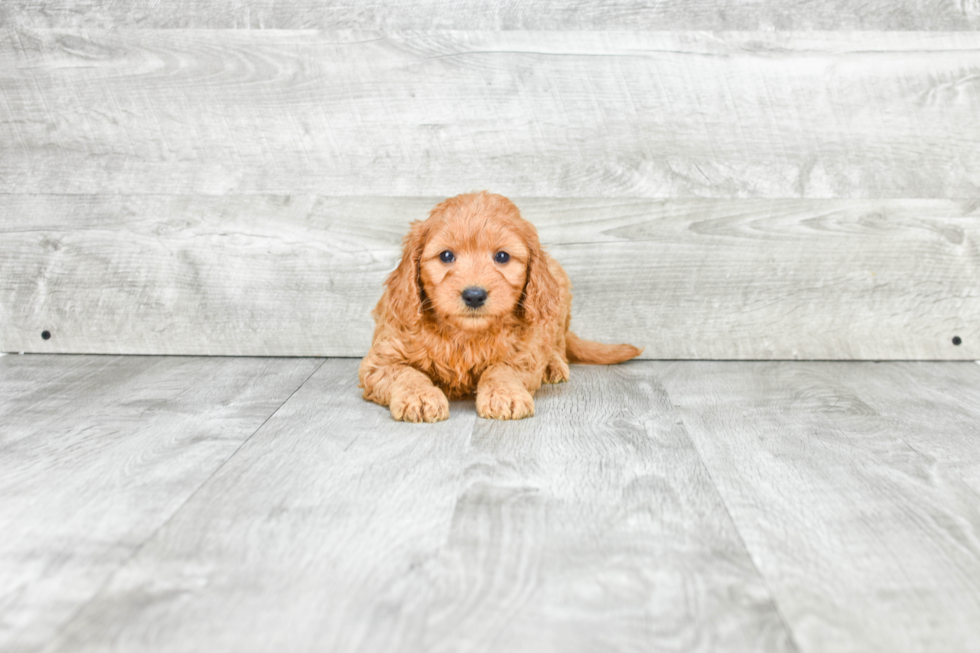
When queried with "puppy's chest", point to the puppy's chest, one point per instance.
{"points": [[456, 365]]}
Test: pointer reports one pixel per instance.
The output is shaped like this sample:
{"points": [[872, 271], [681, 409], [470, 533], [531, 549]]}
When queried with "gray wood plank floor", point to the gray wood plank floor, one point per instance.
{"points": [[215, 504], [97, 453], [868, 539]]}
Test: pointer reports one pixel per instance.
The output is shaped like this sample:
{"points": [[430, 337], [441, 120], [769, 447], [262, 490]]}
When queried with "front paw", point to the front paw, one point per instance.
{"points": [[504, 403], [424, 405]]}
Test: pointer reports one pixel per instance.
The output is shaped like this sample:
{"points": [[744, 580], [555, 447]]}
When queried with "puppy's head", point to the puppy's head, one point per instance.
{"points": [[472, 263]]}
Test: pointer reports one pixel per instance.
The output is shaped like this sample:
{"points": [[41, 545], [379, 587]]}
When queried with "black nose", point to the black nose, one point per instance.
{"points": [[474, 297]]}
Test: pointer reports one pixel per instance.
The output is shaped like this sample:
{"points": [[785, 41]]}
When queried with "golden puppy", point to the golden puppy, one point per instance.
{"points": [[475, 305]]}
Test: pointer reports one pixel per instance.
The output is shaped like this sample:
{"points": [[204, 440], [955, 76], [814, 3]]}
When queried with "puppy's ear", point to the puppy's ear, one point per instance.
{"points": [[540, 299], [405, 292]]}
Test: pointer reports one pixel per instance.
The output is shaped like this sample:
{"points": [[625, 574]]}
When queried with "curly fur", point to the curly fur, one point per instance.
{"points": [[429, 346]]}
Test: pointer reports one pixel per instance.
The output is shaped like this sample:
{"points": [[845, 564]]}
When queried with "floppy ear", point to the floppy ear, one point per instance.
{"points": [[540, 299], [405, 292]]}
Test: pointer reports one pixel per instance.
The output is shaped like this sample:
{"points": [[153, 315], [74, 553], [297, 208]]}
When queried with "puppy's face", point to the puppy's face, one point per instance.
{"points": [[473, 270]]}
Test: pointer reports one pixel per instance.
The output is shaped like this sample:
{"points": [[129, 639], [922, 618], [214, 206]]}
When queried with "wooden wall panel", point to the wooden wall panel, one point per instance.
{"points": [[498, 14], [546, 114], [726, 194], [298, 275]]}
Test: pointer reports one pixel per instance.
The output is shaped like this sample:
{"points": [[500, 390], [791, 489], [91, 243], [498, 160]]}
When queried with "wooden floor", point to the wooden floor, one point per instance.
{"points": [[259, 504]]}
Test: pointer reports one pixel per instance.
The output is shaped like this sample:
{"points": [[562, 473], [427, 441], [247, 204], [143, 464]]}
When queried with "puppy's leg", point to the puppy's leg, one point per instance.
{"points": [[502, 394], [409, 393], [557, 369]]}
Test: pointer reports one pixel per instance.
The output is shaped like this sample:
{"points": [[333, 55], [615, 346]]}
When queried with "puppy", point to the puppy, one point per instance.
{"points": [[474, 306]]}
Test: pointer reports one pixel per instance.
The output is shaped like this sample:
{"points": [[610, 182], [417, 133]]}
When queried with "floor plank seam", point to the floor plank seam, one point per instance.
{"points": [[149, 538], [765, 581]]}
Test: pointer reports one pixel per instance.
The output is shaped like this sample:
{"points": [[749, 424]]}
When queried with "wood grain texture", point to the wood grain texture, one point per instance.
{"points": [[97, 453], [593, 526], [956, 388], [855, 489], [310, 536], [299, 275], [498, 14], [549, 114]]}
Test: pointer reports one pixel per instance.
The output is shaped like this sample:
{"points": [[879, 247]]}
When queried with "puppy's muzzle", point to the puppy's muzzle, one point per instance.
{"points": [[474, 296]]}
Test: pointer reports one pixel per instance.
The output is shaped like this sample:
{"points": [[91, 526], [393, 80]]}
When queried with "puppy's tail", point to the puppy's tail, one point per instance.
{"points": [[595, 353]]}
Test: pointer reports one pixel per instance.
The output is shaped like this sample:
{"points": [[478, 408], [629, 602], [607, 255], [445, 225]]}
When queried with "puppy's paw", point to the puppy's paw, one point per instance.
{"points": [[557, 370], [505, 402], [425, 405]]}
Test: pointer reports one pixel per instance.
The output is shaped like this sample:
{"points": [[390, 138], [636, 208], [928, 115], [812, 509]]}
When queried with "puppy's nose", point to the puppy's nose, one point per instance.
{"points": [[474, 296]]}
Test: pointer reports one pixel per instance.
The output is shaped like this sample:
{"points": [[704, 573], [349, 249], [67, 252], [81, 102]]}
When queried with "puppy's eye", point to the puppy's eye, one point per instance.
{"points": [[447, 257], [501, 257]]}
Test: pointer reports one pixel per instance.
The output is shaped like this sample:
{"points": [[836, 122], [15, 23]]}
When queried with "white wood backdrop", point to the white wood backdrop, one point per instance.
{"points": [[561, 15], [736, 194], [533, 114], [279, 275]]}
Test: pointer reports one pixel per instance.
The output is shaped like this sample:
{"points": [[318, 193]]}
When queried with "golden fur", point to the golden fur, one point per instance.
{"points": [[430, 346]]}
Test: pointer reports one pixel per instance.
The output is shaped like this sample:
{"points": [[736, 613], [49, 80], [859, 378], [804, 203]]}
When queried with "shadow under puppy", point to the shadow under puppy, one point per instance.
{"points": [[474, 306]]}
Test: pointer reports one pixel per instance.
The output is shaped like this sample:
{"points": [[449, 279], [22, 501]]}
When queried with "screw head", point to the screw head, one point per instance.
{"points": [[45, 335], [957, 340]]}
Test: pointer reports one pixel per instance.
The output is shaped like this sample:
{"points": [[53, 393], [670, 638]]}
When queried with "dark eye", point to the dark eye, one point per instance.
{"points": [[447, 257], [501, 257]]}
